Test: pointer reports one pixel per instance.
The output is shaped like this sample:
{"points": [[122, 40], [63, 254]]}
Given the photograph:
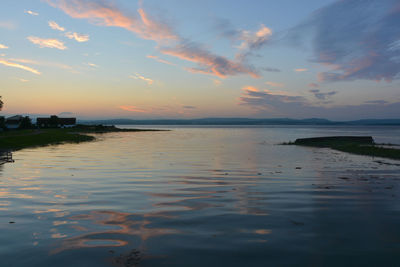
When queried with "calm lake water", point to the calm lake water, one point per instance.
{"points": [[205, 196]]}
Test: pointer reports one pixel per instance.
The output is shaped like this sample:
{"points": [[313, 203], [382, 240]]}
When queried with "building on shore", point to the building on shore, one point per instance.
{"points": [[55, 122], [13, 122]]}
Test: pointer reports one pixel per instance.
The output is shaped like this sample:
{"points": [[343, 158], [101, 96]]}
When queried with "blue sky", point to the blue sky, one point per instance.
{"points": [[190, 59]]}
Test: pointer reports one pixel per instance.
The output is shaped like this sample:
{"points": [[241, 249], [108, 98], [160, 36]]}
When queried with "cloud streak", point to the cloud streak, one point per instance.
{"points": [[77, 36], [55, 26], [132, 109], [208, 62], [161, 60], [3, 46], [358, 40], [19, 66], [50, 43], [140, 77], [275, 84], [30, 12], [322, 96], [253, 41], [168, 41], [271, 104]]}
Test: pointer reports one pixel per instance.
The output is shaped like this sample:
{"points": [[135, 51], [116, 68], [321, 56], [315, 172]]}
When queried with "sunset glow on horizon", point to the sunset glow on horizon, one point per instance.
{"points": [[155, 59]]}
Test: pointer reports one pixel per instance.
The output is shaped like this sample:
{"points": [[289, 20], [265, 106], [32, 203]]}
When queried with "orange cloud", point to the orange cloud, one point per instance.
{"points": [[251, 89], [132, 108], [210, 63], [77, 36], [300, 70], [108, 15], [274, 84], [161, 60], [3, 46], [55, 26], [19, 66], [50, 43]]}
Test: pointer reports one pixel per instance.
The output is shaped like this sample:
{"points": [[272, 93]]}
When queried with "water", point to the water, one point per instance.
{"points": [[201, 196]]}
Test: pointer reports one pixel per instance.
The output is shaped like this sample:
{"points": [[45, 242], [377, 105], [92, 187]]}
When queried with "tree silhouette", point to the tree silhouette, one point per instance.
{"points": [[1, 103]]}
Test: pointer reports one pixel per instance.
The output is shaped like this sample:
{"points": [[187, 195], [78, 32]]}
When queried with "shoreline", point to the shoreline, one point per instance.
{"points": [[358, 145], [20, 139]]}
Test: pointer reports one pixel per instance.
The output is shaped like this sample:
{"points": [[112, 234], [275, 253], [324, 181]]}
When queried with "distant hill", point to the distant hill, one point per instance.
{"points": [[241, 121]]}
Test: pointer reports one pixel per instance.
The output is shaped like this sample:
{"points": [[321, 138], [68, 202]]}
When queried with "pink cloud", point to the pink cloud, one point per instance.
{"points": [[169, 42], [108, 15], [132, 108], [50, 43], [161, 60], [300, 70], [209, 63], [274, 84]]}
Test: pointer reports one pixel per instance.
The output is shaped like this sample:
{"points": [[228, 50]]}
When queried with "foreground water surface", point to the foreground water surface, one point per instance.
{"points": [[201, 197]]}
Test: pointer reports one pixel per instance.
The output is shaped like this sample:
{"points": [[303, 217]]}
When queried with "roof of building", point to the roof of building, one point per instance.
{"points": [[15, 118]]}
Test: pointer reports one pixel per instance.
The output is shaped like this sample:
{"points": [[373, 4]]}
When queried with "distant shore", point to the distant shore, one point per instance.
{"points": [[20, 139]]}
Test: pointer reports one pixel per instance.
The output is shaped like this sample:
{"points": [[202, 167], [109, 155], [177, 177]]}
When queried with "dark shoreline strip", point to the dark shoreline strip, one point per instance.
{"points": [[359, 145]]}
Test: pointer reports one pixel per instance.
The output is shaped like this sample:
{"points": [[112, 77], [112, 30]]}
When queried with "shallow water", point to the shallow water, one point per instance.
{"points": [[201, 196]]}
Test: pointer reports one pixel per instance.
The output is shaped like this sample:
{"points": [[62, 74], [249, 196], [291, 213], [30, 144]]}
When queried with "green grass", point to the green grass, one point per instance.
{"points": [[19, 139], [373, 150]]}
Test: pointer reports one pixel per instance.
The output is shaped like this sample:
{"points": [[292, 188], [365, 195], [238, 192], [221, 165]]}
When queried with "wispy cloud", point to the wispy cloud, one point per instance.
{"points": [[55, 26], [19, 66], [77, 36], [161, 60], [168, 41], [92, 65], [208, 62], [271, 104], [3, 46], [30, 12], [369, 26], [140, 77], [275, 84], [268, 69], [23, 80], [105, 14], [42, 63], [322, 96], [300, 70], [50, 43], [313, 85], [132, 109], [253, 40]]}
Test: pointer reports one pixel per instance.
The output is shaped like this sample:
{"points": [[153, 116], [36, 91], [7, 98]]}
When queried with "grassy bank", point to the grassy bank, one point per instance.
{"points": [[354, 145], [19, 139], [14, 140]]}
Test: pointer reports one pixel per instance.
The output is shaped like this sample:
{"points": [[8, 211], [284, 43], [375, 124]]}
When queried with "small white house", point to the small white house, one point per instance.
{"points": [[14, 122]]}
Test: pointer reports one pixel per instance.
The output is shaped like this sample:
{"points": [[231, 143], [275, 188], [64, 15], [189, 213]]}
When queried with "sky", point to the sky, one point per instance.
{"points": [[157, 59]]}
